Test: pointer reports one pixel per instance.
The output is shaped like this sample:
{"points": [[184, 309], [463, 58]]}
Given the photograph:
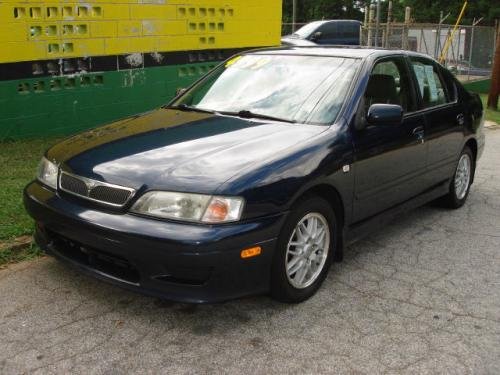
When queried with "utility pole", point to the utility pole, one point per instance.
{"points": [[294, 15], [495, 75]]}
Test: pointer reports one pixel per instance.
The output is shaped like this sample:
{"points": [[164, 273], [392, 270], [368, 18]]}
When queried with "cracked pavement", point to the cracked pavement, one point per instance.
{"points": [[420, 296]]}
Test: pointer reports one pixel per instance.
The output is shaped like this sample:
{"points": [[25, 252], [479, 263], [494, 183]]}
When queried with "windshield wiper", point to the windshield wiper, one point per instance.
{"points": [[249, 114], [188, 108]]}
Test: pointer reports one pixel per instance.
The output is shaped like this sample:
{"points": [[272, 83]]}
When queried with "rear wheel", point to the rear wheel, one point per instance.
{"points": [[304, 252], [462, 179]]}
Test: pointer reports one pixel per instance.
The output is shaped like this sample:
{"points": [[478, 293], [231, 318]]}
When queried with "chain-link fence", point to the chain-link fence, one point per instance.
{"points": [[468, 51]]}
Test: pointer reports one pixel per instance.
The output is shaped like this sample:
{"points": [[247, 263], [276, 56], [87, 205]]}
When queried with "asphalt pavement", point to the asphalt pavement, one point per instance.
{"points": [[420, 296]]}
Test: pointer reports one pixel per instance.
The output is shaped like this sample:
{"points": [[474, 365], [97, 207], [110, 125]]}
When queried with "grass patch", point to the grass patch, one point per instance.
{"points": [[16, 255], [18, 161], [491, 115]]}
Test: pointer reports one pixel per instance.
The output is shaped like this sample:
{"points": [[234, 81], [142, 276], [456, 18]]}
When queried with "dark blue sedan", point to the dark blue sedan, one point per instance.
{"points": [[255, 178]]}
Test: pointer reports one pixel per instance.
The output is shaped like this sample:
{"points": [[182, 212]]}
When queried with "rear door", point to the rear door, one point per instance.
{"points": [[444, 118], [390, 159]]}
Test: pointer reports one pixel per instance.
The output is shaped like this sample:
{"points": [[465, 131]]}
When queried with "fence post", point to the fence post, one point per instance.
{"points": [[388, 24], [371, 15], [406, 27], [471, 44], [438, 36], [294, 15], [377, 23], [437, 48]]}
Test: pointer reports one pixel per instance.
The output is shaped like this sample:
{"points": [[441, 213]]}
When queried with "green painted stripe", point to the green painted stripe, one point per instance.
{"points": [[68, 104]]}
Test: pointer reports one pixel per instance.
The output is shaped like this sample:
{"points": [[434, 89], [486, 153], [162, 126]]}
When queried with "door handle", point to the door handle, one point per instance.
{"points": [[461, 119], [419, 132]]}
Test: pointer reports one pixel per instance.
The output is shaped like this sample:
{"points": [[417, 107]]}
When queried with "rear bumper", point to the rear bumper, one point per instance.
{"points": [[177, 261]]}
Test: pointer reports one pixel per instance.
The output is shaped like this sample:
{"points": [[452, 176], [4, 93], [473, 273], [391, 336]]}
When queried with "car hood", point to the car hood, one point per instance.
{"points": [[174, 150]]}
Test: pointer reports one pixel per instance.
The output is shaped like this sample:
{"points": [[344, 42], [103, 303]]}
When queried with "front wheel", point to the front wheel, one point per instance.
{"points": [[462, 180], [304, 252]]}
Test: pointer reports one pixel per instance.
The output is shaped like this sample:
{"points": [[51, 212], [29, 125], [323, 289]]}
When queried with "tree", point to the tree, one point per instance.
{"points": [[495, 77], [310, 10], [422, 10]]}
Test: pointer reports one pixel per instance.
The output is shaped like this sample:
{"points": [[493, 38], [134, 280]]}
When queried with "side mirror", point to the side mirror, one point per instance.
{"points": [[384, 114], [316, 36], [180, 91]]}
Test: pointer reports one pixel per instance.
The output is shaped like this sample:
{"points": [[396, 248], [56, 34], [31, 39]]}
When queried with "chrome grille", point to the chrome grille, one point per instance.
{"points": [[94, 190], [109, 194], [73, 184]]}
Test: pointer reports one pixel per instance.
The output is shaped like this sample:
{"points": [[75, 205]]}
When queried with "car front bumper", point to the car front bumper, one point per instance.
{"points": [[176, 261]]}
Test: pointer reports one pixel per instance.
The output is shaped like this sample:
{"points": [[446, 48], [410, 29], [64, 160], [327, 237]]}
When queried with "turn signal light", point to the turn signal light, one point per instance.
{"points": [[252, 252]]}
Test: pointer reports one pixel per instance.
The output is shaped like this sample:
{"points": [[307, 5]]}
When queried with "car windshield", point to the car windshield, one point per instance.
{"points": [[302, 89], [306, 30]]}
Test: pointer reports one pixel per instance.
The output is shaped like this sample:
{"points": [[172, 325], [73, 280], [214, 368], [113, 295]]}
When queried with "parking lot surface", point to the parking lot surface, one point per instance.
{"points": [[420, 296]]}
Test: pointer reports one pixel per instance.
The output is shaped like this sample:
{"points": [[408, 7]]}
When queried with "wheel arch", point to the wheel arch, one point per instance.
{"points": [[332, 196], [472, 144]]}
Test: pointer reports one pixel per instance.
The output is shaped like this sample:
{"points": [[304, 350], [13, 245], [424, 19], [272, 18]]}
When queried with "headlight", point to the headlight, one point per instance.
{"points": [[189, 207], [47, 173]]}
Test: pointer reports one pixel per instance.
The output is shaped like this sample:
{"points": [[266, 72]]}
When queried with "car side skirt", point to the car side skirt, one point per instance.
{"points": [[357, 231]]}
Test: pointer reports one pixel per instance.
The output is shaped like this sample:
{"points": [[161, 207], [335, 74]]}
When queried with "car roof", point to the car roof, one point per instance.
{"points": [[321, 22], [335, 51], [346, 21]]}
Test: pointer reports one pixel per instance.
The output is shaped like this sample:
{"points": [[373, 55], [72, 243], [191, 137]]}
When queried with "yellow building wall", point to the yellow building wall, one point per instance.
{"points": [[40, 30]]}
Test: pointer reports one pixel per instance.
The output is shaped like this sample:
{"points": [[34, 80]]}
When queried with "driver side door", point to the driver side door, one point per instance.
{"points": [[390, 159]]}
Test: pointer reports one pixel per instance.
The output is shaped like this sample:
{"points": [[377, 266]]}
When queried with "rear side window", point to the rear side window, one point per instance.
{"points": [[429, 82], [329, 30], [450, 83], [351, 30]]}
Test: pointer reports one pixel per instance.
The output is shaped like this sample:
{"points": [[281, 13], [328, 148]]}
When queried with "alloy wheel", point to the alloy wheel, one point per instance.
{"points": [[462, 176], [307, 250]]}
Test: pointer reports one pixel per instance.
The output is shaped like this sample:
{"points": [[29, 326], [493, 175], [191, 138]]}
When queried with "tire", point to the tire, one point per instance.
{"points": [[461, 181], [297, 248]]}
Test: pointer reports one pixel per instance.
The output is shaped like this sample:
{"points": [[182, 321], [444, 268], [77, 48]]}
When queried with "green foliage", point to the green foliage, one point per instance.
{"points": [[19, 160], [491, 115], [9, 256], [424, 11], [310, 10], [427, 11]]}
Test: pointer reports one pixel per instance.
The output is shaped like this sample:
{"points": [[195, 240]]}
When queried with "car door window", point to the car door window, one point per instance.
{"points": [[351, 30], [329, 30], [430, 83], [389, 83]]}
